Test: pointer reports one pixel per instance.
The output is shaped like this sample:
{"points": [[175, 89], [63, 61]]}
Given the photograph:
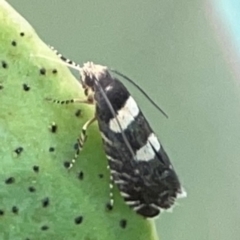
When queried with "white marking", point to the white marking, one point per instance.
{"points": [[138, 207], [136, 171], [132, 202], [106, 139], [126, 115], [111, 159], [120, 182], [126, 175], [108, 88], [111, 186], [154, 206], [146, 152], [124, 195], [113, 172], [182, 194], [108, 157]]}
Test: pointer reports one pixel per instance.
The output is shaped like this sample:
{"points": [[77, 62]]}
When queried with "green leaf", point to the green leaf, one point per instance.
{"points": [[39, 197]]}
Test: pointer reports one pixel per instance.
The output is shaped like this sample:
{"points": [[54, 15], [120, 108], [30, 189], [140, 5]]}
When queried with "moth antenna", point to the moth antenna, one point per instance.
{"points": [[64, 59], [115, 116], [141, 90]]}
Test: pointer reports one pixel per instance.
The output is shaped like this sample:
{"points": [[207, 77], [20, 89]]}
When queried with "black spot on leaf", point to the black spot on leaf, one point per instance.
{"points": [[18, 150], [100, 175], [36, 169], [10, 180], [123, 223], [67, 164], [1, 212], [1, 87], [44, 228], [45, 202], [53, 127], [22, 34], [80, 175], [26, 87], [78, 113], [15, 209], [78, 220], [51, 149], [32, 189], [4, 64], [14, 43], [109, 207], [42, 71], [54, 71], [75, 146]]}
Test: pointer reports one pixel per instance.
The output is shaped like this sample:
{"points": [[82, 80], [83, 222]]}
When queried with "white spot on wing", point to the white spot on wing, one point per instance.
{"points": [[126, 115], [108, 88], [146, 152], [182, 194], [125, 195]]}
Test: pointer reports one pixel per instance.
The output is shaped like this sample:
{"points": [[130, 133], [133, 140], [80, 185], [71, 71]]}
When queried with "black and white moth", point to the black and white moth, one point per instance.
{"points": [[138, 163]]}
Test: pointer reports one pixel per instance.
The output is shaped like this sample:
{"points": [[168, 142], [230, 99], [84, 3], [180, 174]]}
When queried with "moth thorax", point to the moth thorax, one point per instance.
{"points": [[90, 73]]}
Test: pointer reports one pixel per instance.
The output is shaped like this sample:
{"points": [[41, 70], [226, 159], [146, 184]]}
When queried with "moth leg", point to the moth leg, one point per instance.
{"points": [[110, 204], [73, 100], [81, 140], [83, 136], [89, 100]]}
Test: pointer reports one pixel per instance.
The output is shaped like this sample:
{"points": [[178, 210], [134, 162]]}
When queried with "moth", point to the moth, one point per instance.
{"points": [[138, 163]]}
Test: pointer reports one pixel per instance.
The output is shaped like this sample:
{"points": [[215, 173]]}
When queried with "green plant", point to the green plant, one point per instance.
{"points": [[39, 197]]}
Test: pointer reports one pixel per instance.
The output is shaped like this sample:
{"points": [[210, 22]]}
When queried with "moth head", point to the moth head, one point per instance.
{"points": [[91, 75]]}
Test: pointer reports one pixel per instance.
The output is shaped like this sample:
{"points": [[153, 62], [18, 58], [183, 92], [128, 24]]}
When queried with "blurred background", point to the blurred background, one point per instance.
{"points": [[185, 54]]}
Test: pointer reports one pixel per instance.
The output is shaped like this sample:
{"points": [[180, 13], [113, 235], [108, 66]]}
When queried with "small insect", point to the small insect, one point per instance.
{"points": [[138, 163]]}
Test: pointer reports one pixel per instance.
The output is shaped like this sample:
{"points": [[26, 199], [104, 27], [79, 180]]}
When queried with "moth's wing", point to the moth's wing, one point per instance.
{"points": [[143, 173], [155, 166], [147, 181]]}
